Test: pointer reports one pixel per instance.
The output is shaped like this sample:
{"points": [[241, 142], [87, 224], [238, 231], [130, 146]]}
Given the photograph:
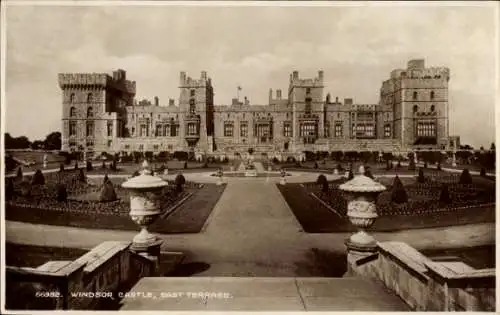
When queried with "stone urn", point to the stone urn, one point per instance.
{"points": [[362, 194], [165, 171], [219, 177], [145, 205], [335, 171], [283, 175]]}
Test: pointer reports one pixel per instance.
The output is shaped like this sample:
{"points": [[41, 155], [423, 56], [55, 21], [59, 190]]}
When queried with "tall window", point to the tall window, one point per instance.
{"points": [[110, 128], [90, 98], [387, 130], [90, 112], [432, 95], [166, 130], [90, 128], [433, 108], [287, 130], [426, 129], [308, 106], [72, 112], [72, 128], [243, 129], [72, 98], [327, 129], [338, 129], [192, 130], [307, 129], [158, 132], [415, 95], [174, 130], [415, 108], [192, 106], [228, 129], [143, 130]]}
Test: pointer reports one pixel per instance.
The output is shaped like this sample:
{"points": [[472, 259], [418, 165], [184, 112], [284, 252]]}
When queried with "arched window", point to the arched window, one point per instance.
{"points": [[433, 108], [415, 95], [90, 112], [415, 108], [432, 95], [90, 98], [72, 98], [72, 112]]}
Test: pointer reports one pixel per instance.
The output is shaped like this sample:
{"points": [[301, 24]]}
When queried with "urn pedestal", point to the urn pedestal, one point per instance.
{"points": [[335, 172], [362, 193], [145, 208], [454, 160]]}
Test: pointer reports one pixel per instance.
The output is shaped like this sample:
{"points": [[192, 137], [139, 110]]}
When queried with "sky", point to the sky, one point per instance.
{"points": [[256, 48]]}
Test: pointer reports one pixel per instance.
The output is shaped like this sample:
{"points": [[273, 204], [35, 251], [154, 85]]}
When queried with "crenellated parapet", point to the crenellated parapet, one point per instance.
{"points": [[416, 70], [188, 82], [95, 80], [295, 80]]}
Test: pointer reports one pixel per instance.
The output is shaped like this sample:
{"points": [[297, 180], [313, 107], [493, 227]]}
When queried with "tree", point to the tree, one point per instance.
{"points": [[368, 173], [19, 174], [53, 141], [179, 182], [492, 147], [465, 177], [323, 182], [9, 189], [21, 142], [107, 193], [351, 174], [37, 145], [38, 178], [81, 176]]}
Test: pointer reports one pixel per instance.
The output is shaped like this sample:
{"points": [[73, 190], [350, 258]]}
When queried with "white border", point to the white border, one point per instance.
{"points": [[3, 27]]}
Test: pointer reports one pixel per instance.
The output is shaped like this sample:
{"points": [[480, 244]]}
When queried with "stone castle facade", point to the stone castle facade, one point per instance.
{"points": [[100, 114]]}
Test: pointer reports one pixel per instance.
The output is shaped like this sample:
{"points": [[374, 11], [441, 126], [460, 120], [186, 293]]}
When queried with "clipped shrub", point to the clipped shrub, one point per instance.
{"points": [[113, 165], [179, 182], [438, 166], [62, 193], [421, 177], [25, 188], [205, 164], [185, 165], [89, 166], [136, 173], [398, 166], [411, 165], [483, 172], [275, 160], [444, 196], [38, 178], [368, 173], [103, 165], [61, 168], [465, 177], [106, 179], [81, 176], [351, 174], [425, 165], [9, 189], [107, 193], [340, 168], [389, 165], [323, 182], [398, 194], [76, 165]]}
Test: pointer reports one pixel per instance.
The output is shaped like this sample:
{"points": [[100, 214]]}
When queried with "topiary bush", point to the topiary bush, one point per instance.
{"points": [[106, 179], [465, 177], [103, 165], [38, 178], [89, 166], [421, 177], [62, 193], [179, 182], [61, 167], [398, 166], [136, 173], [398, 194], [411, 165], [81, 176], [339, 168], [483, 172], [425, 165], [185, 165], [323, 182], [315, 165], [350, 175], [438, 166], [76, 165], [389, 165], [444, 196], [368, 173], [107, 193]]}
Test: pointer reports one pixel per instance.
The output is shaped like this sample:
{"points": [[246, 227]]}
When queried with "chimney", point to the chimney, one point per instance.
{"points": [[320, 75], [295, 75], [157, 101], [246, 101], [270, 95], [182, 77], [328, 98], [336, 99], [204, 75], [278, 94], [171, 102]]}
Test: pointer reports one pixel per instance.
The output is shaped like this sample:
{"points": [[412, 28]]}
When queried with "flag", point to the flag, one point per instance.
{"points": [[239, 88]]}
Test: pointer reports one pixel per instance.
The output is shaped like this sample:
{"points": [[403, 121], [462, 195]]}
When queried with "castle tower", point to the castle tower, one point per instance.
{"points": [[94, 112], [419, 97], [197, 108], [306, 98]]}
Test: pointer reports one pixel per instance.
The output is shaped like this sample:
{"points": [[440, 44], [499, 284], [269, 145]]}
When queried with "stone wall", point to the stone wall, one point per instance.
{"points": [[423, 284], [110, 267]]}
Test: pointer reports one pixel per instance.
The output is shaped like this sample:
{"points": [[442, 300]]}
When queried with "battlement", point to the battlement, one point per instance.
{"points": [[187, 81], [416, 70], [103, 80], [295, 80]]}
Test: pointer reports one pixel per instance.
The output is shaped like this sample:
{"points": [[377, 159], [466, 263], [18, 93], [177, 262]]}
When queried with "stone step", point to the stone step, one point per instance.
{"points": [[262, 294]]}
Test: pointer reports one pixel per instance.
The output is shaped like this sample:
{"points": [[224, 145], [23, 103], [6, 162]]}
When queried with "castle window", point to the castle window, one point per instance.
{"points": [[191, 129], [143, 130], [193, 92], [327, 129], [166, 130], [228, 129], [308, 90], [109, 143], [90, 129], [158, 131], [72, 112], [90, 112], [415, 95], [387, 130], [287, 130], [426, 129], [110, 128], [90, 98], [72, 98], [141, 147], [338, 129], [432, 95], [307, 129], [156, 147], [133, 131], [415, 108], [308, 106], [227, 115], [174, 130], [243, 129], [433, 108], [72, 128]]}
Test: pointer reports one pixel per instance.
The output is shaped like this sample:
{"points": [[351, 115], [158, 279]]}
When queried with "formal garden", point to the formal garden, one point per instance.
{"points": [[422, 199], [71, 198]]}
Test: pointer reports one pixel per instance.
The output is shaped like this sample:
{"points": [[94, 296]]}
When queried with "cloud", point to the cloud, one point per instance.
{"points": [[255, 47]]}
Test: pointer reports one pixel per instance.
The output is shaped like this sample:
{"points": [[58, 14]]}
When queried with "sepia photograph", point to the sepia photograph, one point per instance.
{"points": [[248, 156]]}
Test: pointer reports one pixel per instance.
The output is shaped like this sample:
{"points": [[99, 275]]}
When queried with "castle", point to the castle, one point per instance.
{"points": [[100, 114]]}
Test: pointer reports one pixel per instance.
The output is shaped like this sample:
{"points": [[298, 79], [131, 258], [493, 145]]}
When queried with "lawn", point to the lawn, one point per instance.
{"points": [[174, 167]]}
